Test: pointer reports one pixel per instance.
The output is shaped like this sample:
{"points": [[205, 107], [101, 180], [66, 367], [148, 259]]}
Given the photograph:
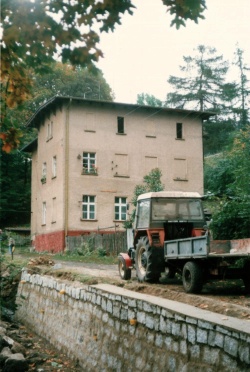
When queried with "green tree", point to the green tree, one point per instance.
{"points": [[228, 177], [149, 100], [242, 90], [15, 188], [65, 81], [66, 30], [202, 84], [151, 182]]}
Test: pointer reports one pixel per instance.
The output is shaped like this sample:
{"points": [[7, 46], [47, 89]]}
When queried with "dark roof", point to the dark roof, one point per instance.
{"points": [[30, 147], [56, 101], [18, 229]]}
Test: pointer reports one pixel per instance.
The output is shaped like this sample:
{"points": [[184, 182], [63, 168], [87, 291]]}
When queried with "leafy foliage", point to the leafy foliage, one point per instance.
{"points": [[217, 135], [149, 100], [218, 175], [15, 188], [151, 182], [35, 33], [233, 219], [228, 176], [184, 10]]}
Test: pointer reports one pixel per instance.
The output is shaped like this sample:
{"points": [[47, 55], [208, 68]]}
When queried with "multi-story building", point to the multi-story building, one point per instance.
{"points": [[89, 156]]}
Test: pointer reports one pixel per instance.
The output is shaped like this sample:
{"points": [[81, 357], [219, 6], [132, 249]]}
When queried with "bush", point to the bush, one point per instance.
{"points": [[232, 221]]}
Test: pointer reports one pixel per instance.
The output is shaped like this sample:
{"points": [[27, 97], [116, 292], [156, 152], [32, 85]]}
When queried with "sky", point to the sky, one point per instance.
{"points": [[142, 52]]}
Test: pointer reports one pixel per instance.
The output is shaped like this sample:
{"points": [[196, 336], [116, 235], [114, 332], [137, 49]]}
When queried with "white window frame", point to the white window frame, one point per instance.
{"points": [[44, 211], [50, 130], [89, 162], [44, 169], [53, 220], [88, 207], [120, 208]]}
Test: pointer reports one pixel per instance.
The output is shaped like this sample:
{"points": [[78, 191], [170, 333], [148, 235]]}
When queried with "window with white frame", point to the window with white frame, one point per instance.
{"points": [[89, 163], [88, 207], [120, 208], [49, 130], [44, 213], [53, 220], [54, 166]]}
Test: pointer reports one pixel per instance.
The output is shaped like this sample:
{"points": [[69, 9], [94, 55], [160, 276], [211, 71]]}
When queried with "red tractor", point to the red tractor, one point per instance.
{"points": [[170, 235]]}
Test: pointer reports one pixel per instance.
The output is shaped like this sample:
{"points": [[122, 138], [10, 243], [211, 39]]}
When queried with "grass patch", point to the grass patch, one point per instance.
{"points": [[21, 256]]}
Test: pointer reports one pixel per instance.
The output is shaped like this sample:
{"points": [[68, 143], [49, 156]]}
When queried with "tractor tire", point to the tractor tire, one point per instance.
{"points": [[149, 261], [124, 272], [192, 277]]}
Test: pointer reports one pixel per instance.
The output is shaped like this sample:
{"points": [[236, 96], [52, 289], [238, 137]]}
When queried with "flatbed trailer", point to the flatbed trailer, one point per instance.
{"points": [[201, 259]]}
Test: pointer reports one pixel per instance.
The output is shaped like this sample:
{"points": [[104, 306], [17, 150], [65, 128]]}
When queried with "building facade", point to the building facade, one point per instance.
{"points": [[89, 156]]}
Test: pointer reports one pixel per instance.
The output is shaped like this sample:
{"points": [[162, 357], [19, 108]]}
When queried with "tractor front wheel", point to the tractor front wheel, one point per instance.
{"points": [[125, 273]]}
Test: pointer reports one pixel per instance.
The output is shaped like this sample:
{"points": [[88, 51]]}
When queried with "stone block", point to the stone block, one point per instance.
{"points": [[231, 346]]}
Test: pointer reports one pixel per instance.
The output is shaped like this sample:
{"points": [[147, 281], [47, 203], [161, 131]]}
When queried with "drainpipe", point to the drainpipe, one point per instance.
{"points": [[66, 180]]}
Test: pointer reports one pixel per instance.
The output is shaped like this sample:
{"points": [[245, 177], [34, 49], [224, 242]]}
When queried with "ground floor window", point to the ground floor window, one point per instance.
{"points": [[120, 208], [88, 207]]}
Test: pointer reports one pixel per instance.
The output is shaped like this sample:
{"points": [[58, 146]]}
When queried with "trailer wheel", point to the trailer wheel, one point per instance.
{"points": [[192, 277], [124, 272], [148, 261]]}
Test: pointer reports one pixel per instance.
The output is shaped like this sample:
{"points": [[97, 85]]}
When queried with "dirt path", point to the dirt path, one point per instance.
{"points": [[226, 298]]}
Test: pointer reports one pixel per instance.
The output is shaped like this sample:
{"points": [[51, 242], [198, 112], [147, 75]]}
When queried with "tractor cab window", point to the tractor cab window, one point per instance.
{"points": [[176, 210], [143, 213]]}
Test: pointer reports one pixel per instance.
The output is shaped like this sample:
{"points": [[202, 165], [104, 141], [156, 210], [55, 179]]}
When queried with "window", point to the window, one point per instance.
{"points": [[89, 163], [120, 124], [50, 130], [120, 208], [143, 213], [53, 210], [88, 207], [44, 213], [44, 169], [54, 164], [179, 131], [44, 172]]}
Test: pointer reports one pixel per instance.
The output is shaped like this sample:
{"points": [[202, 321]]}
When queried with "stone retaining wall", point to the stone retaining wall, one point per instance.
{"points": [[107, 328]]}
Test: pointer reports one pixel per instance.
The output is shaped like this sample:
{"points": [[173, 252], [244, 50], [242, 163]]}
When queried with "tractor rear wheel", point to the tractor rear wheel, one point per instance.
{"points": [[125, 273], [149, 261], [192, 277]]}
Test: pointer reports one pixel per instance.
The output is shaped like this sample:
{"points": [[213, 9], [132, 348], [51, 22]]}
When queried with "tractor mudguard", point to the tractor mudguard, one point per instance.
{"points": [[127, 259]]}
